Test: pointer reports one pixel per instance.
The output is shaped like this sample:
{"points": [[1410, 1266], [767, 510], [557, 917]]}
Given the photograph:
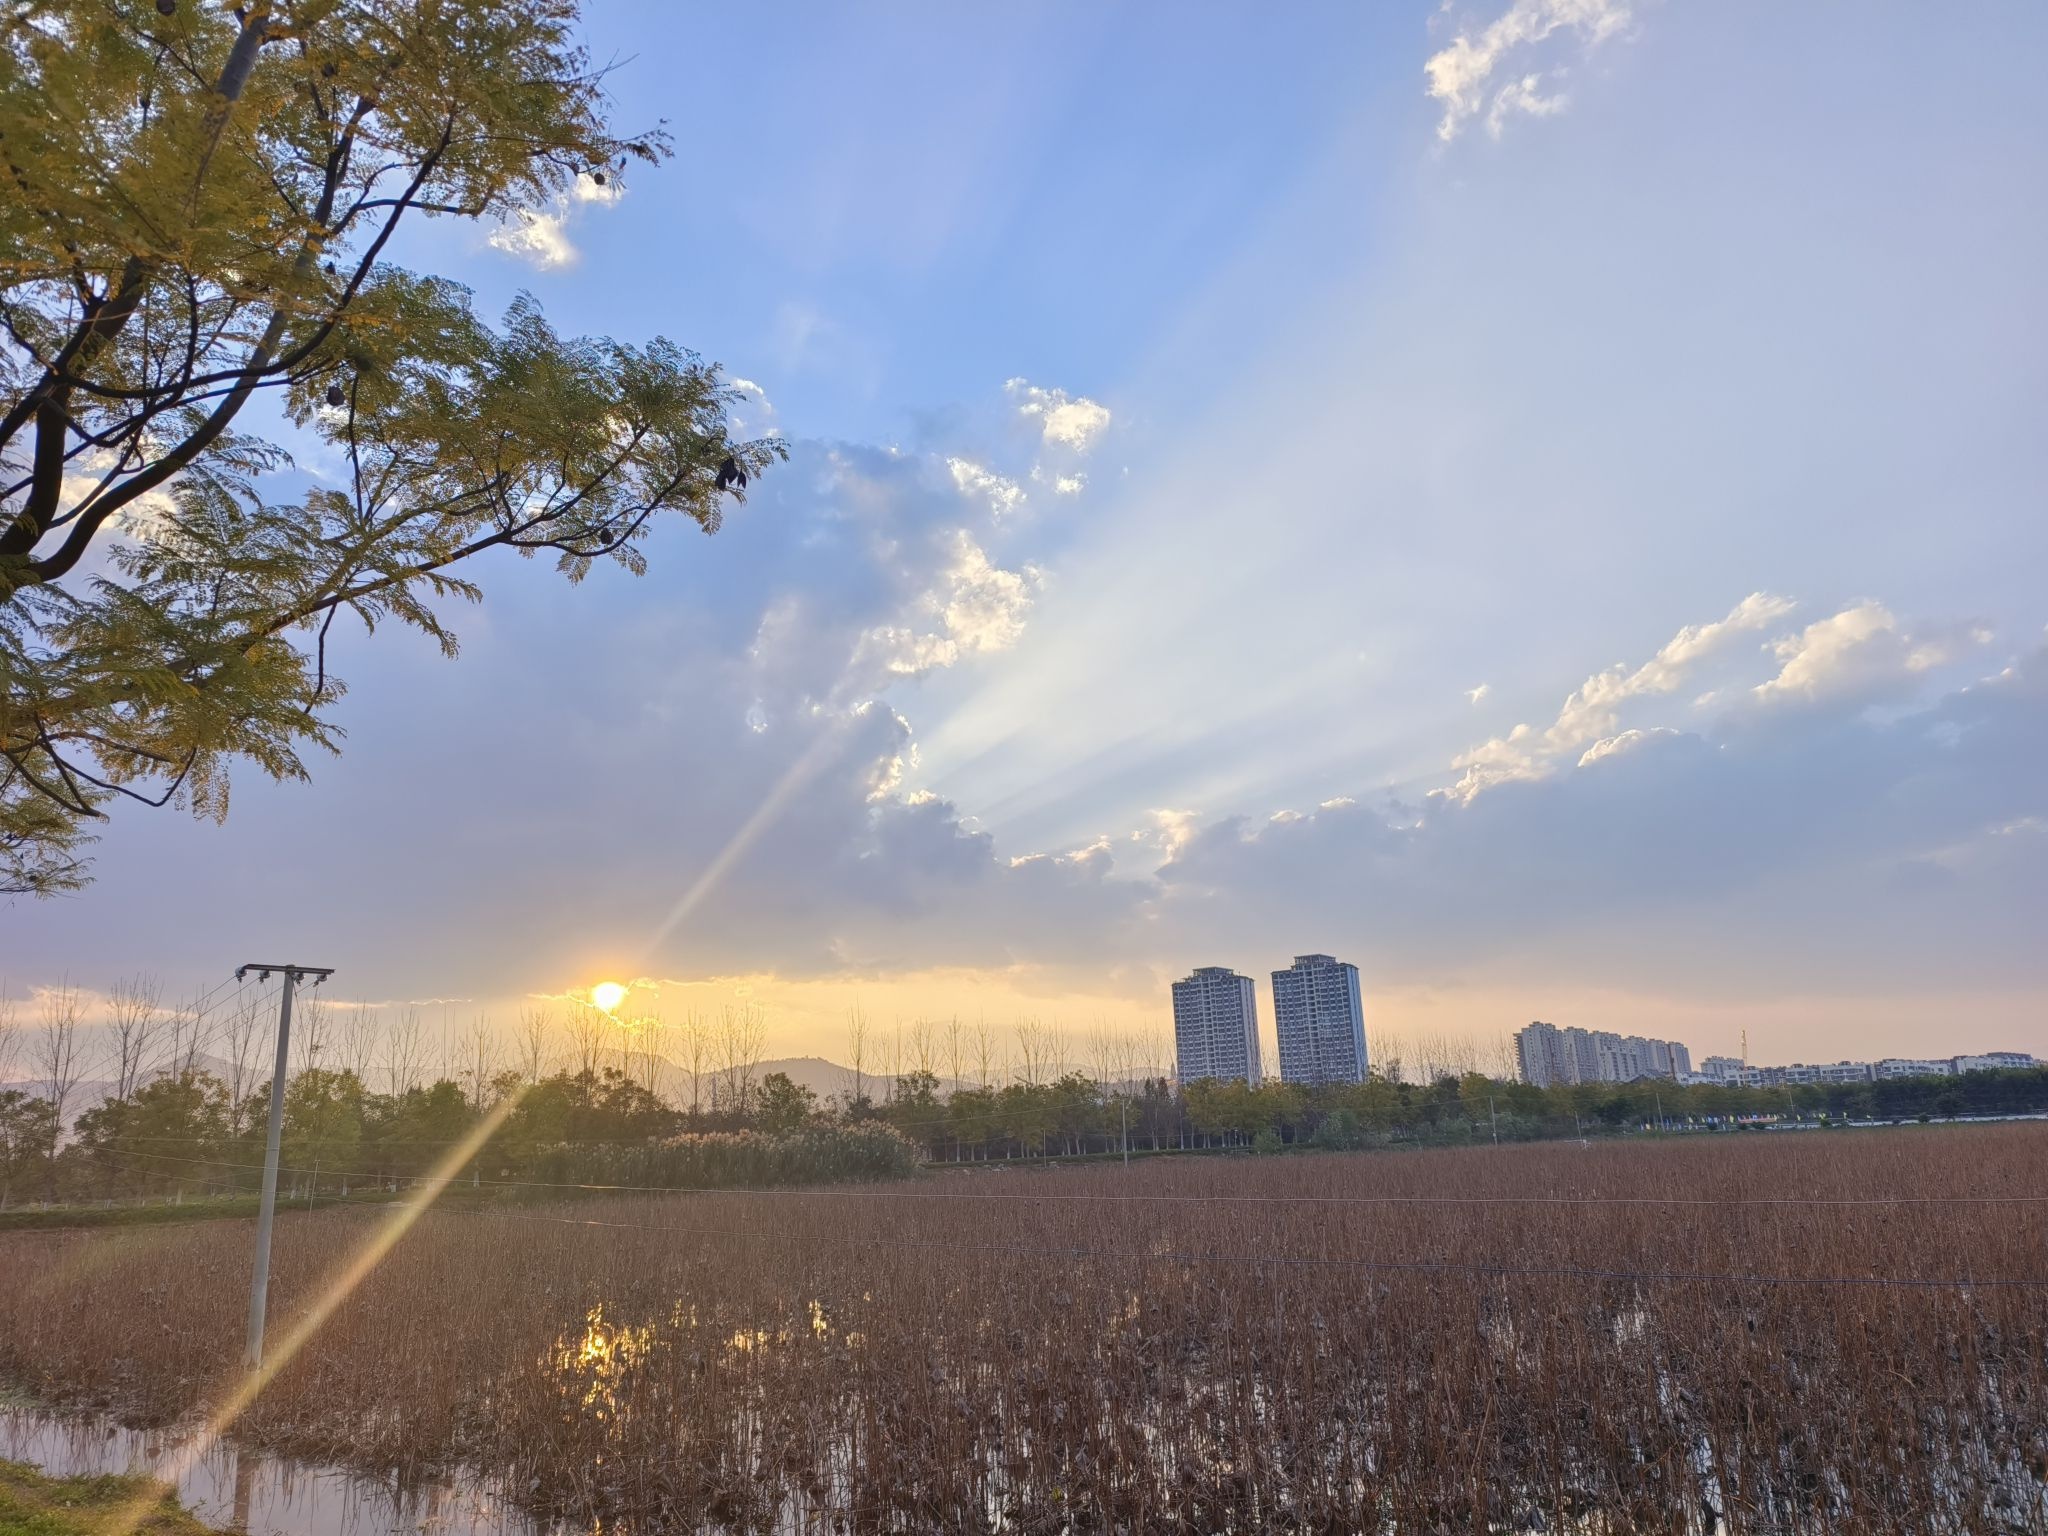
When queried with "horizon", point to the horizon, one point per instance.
{"points": [[1545, 510]]}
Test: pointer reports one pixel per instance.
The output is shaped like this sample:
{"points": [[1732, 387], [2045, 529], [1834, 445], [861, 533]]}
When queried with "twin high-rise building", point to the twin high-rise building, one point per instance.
{"points": [[1320, 1020], [1216, 1025], [1317, 1012]]}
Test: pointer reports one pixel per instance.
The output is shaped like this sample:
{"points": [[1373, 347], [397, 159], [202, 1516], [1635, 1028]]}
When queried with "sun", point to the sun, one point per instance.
{"points": [[607, 995]]}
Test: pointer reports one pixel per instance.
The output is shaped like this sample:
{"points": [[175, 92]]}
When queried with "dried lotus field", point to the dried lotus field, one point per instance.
{"points": [[1757, 1333]]}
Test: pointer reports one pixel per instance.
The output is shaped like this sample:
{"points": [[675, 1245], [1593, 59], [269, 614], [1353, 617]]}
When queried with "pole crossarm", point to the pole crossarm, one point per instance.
{"points": [[297, 972]]}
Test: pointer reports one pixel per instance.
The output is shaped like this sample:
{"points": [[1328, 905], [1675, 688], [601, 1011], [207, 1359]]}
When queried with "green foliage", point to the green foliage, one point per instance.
{"points": [[196, 214], [28, 1142], [157, 1140], [781, 1105]]}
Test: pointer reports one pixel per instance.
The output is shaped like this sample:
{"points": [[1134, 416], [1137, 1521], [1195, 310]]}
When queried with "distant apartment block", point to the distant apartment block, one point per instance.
{"points": [[1727, 1072], [1216, 1025], [1906, 1066], [1320, 1019], [1546, 1054]]}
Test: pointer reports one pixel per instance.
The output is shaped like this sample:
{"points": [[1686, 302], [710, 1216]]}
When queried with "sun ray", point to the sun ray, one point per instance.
{"points": [[333, 1291]]}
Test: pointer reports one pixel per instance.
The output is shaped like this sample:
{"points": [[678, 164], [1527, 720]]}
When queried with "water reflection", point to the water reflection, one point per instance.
{"points": [[263, 1495]]}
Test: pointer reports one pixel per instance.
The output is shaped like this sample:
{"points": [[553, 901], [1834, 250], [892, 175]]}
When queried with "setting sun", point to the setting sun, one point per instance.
{"points": [[607, 995]]}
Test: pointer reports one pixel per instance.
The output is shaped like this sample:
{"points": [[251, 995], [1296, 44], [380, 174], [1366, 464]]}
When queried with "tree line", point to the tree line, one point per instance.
{"points": [[180, 1102]]}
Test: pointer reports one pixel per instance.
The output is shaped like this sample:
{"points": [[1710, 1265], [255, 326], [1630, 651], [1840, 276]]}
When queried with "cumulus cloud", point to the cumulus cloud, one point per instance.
{"points": [[1856, 656], [1462, 75], [1627, 741], [1066, 421], [972, 479], [978, 606], [1592, 712], [538, 237]]}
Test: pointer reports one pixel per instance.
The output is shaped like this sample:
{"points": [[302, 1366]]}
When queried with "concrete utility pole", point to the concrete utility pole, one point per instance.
{"points": [[266, 1215]]}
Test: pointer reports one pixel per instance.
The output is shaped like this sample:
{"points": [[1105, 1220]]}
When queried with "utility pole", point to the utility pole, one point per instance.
{"points": [[266, 1214], [1492, 1115], [1125, 1103]]}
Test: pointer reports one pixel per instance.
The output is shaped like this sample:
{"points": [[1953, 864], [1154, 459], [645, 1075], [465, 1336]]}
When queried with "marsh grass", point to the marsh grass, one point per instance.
{"points": [[1223, 1354]]}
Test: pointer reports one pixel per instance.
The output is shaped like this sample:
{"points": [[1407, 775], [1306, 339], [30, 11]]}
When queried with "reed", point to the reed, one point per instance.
{"points": [[1435, 1341]]}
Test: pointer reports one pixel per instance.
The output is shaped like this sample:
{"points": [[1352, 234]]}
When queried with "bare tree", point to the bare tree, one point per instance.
{"points": [[59, 1057], [189, 1027], [356, 1029], [857, 1051], [1102, 1056], [696, 1049], [535, 1043], [479, 1061], [404, 1052], [895, 1059], [589, 1029], [10, 1035], [924, 1048], [648, 1035], [134, 1009], [312, 1029], [241, 1037], [984, 1050], [953, 1060], [741, 1031], [1035, 1052], [1388, 1052]]}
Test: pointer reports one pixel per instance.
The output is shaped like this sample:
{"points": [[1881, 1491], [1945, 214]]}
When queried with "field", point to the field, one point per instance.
{"points": [[1757, 1333]]}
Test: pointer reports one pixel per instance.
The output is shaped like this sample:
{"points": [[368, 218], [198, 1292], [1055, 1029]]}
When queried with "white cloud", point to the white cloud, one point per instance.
{"points": [[1171, 830], [1592, 712], [1065, 421], [1857, 655], [1627, 741], [1461, 75], [985, 606], [539, 238], [1479, 695], [979, 607], [972, 479], [1522, 96]]}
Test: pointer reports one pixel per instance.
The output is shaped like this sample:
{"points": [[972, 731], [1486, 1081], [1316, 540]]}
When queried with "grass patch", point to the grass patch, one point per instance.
{"points": [[34, 1505]]}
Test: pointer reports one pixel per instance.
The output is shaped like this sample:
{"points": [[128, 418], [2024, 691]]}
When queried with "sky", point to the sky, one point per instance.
{"points": [[1539, 498]]}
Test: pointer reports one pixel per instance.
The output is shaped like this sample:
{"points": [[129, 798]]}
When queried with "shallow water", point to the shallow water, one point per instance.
{"points": [[263, 1495]]}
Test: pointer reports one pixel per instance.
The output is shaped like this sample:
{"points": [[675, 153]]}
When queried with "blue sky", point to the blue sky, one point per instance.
{"points": [[1543, 499]]}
